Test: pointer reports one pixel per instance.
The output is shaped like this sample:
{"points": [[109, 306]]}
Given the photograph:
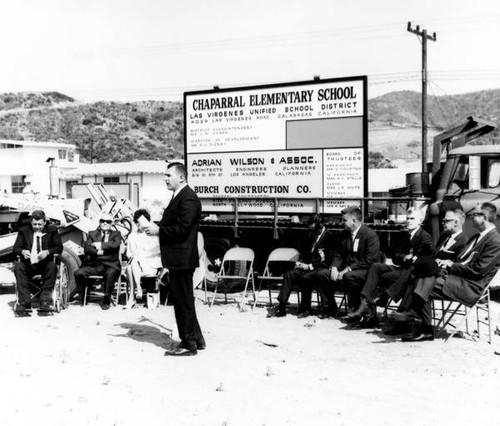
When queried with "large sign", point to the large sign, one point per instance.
{"points": [[294, 142]]}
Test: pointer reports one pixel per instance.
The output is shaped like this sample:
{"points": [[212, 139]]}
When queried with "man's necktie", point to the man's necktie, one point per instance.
{"points": [[469, 247]]}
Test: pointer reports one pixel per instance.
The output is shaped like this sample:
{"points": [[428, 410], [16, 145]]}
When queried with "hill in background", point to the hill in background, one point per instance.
{"points": [[114, 131]]}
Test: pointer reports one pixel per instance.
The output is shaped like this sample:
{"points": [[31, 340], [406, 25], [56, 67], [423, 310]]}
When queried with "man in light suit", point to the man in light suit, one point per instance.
{"points": [[102, 251], [36, 245], [178, 230], [358, 248], [463, 280]]}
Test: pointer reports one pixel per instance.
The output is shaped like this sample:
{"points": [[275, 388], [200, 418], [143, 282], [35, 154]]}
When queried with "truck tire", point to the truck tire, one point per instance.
{"points": [[69, 264], [215, 248]]}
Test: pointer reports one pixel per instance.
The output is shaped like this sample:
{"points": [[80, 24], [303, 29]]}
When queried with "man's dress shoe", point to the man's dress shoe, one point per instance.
{"points": [[366, 322], [278, 312], [199, 346], [420, 333], [417, 337], [179, 351], [353, 318], [404, 316]]}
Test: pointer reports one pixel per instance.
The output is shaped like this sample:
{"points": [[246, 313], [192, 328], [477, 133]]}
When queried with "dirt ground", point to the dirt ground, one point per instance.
{"points": [[86, 366]]}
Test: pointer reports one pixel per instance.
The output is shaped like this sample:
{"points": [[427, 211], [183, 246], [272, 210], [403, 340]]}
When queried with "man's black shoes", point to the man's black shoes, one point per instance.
{"points": [[420, 333], [277, 312], [45, 307], [199, 346], [22, 309], [366, 321], [180, 351], [106, 302]]}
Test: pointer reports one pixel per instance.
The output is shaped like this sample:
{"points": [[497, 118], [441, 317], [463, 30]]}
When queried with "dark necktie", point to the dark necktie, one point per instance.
{"points": [[445, 243], [38, 244]]}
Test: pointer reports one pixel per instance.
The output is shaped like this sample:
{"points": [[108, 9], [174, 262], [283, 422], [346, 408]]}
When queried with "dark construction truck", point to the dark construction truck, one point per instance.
{"points": [[264, 158]]}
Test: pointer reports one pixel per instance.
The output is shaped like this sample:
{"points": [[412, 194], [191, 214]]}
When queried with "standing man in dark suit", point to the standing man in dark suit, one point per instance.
{"points": [[310, 270], [178, 230], [463, 280], [394, 278], [36, 245], [102, 252], [357, 250]]}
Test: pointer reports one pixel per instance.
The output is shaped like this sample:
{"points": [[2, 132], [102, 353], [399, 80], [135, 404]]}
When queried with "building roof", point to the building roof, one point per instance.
{"points": [[116, 169], [35, 143]]}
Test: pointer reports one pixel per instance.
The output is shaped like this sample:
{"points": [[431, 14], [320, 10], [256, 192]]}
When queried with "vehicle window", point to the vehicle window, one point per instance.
{"points": [[460, 180], [493, 173]]}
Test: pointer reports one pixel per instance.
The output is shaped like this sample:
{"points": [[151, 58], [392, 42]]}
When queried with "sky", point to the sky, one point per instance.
{"points": [[130, 50]]}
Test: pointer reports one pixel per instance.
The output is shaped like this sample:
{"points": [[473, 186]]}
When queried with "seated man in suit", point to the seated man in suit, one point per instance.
{"points": [[394, 278], [463, 280], [358, 248], [450, 244], [102, 250], [311, 269], [36, 245]]}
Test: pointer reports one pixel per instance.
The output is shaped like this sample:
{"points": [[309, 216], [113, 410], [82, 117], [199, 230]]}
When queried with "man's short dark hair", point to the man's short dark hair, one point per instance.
{"points": [[490, 211], [38, 215], [179, 167], [353, 211], [141, 212], [315, 220]]}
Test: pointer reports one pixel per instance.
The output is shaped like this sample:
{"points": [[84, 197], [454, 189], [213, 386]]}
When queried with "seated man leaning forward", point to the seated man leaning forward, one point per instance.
{"points": [[463, 280], [143, 253], [102, 250], [393, 279], [311, 269], [357, 250], [36, 245]]}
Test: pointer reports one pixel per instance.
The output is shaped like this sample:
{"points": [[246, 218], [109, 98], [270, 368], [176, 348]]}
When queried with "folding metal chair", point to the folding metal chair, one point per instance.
{"points": [[283, 255], [236, 265], [450, 308]]}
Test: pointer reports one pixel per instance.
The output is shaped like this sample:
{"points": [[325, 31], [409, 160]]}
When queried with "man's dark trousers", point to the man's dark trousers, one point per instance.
{"points": [[24, 272], [181, 292]]}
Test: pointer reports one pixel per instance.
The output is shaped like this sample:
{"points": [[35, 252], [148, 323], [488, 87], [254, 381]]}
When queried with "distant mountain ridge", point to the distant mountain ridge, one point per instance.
{"points": [[404, 108], [116, 131]]}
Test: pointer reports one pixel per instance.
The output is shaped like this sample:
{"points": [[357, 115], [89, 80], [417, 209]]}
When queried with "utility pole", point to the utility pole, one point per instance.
{"points": [[425, 36]]}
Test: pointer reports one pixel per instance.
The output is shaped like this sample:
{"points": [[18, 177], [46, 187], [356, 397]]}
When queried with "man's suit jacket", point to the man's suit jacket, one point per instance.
{"points": [[426, 266], [357, 254], [466, 282], [51, 241], [179, 231], [420, 245], [454, 250], [319, 253], [111, 249]]}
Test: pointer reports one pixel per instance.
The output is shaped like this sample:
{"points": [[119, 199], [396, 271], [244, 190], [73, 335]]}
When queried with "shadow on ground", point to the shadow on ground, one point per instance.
{"points": [[144, 333]]}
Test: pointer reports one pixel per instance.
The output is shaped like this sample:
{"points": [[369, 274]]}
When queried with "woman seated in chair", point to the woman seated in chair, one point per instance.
{"points": [[143, 252]]}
